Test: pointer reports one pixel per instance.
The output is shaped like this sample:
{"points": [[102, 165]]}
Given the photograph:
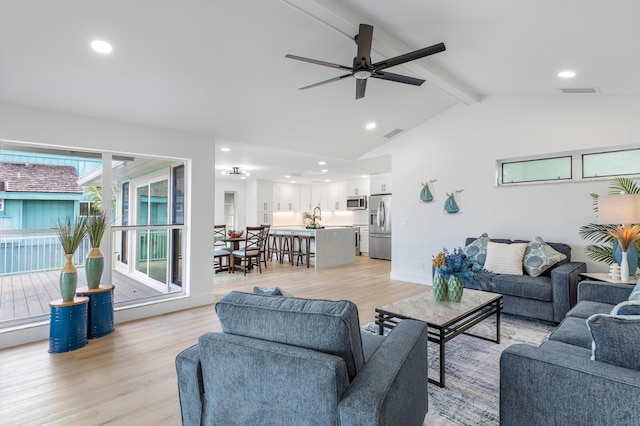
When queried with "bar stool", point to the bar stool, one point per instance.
{"points": [[286, 248], [275, 242], [304, 249]]}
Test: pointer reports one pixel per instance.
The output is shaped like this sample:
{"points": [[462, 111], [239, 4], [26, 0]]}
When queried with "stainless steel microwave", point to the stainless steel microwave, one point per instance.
{"points": [[358, 202]]}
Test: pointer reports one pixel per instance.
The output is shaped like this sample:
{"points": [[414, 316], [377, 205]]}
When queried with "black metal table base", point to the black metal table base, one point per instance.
{"points": [[441, 334]]}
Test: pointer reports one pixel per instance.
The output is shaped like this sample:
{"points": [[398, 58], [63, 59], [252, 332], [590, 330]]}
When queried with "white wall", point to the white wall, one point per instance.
{"points": [[460, 147], [66, 131]]}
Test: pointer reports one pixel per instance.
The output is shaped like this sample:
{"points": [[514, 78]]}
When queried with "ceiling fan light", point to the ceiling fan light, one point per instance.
{"points": [[362, 74]]}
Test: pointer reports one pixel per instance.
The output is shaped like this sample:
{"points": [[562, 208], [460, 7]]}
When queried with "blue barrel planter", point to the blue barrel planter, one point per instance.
{"points": [[68, 325], [100, 315]]}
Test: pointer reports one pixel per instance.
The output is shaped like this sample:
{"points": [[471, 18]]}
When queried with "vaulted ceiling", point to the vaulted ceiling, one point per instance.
{"points": [[218, 67]]}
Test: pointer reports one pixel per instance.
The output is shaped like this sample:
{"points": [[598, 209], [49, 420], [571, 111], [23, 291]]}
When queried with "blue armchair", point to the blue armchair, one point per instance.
{"points": [[285, 360]]}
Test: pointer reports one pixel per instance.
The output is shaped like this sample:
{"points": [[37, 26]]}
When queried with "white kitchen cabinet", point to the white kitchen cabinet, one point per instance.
{"points": [[380, 184], [264, 197], [337, 196], [364, 240], [264, 218], [286, 197], [358, 187], [305, 198], [319, 196]]}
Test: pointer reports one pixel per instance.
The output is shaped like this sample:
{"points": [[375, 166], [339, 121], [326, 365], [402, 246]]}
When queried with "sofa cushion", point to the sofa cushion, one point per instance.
{"points": [[538, 288], [540, 256], [476, 251], [616, 339], [573, 331], [504, 258], [560, 248], [585, 308], [327, 326]]}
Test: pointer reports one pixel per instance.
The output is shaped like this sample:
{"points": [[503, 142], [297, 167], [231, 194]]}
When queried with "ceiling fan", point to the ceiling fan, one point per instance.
{"points": [[362, 67]]}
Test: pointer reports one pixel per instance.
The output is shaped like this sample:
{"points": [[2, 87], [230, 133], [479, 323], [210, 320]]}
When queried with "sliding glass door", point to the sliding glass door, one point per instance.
{"points": [[152, 201]]}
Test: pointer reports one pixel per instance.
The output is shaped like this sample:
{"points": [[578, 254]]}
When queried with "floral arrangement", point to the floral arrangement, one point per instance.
{"points": [[457, 264]]}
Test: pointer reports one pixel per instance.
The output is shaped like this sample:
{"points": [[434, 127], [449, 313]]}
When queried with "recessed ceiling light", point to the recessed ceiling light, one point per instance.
{"points": [[287, 176], [324, 170], [101, 46], [371, 126], [293, 181], [327, 180], [566, 74], [225, 149], [322, 163]]}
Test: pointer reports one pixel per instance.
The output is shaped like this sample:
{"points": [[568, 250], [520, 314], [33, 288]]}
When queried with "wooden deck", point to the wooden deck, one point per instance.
{"points": [[28, 295]]}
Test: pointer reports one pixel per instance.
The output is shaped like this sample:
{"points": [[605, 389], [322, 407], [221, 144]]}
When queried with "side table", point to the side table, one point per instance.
{"points": [[100, 316], [68, 324]]}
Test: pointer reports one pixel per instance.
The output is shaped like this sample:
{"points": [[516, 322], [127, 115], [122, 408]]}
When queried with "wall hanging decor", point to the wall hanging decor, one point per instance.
{"points": [[426, 195], [451, 204]]}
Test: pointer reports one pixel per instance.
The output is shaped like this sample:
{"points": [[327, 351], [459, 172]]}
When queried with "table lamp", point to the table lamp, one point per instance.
{"points": [[623, 211]]}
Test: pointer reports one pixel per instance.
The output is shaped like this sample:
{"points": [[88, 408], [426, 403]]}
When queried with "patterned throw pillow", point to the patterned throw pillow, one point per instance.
{"points": [[476, 252], [505, 258], [540, 256]]}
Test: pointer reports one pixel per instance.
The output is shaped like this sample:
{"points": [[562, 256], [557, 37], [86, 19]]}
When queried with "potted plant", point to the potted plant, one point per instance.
{"points": [[70, 235], [454, 268], [94, 263]]}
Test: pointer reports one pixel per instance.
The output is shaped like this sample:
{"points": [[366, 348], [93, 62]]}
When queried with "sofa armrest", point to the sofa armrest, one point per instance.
{"points": [[391, 388], [600, 291], [557, 383], [190, 387], [564, 281]]}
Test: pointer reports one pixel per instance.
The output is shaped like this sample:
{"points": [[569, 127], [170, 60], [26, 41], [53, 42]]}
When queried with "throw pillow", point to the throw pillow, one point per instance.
{"points": [[628, 307], [263, 291], [476, 251], [505, 258], [540, 256], [635, 293], [615, 339]]}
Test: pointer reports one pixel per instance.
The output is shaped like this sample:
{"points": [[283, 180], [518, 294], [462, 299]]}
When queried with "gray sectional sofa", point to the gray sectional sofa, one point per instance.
{"points": [[558, 382], [548, 296]]}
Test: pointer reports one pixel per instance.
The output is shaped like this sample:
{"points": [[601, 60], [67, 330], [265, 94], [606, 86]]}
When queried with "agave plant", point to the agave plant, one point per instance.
{"points": [[601, 234], [71, 234]]}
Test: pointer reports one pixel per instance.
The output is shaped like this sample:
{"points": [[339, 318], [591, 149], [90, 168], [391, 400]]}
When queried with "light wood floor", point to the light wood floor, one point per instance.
{"points": [[128, 377]]}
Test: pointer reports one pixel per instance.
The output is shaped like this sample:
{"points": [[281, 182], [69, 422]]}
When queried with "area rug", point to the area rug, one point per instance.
{"points": [[472, 393]]}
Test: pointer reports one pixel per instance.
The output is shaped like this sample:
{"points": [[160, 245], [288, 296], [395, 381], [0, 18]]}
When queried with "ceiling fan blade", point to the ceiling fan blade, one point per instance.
{"points": [[407, 57], [363, 39], [315, 61], [397, 78], [361, 85], [331, 80]]}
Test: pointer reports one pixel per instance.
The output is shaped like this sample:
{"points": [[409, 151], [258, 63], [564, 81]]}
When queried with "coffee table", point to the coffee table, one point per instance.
{"points": [[445, 320]]}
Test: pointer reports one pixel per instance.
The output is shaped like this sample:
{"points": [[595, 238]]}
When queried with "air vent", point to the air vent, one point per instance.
{"points": [[393, 133], [588, 90]]}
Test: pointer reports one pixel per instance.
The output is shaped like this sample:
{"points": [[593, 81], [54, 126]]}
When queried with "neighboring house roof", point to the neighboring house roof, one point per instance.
{"points": [[27, 177]]}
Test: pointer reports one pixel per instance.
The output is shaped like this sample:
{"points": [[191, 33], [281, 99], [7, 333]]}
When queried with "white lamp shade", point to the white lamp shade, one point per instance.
{"points": [[619, 209]]}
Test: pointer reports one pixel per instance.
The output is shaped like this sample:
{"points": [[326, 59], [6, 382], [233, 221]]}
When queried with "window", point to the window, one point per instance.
{"points": [[574, 166], [1, 204], [613, 163], [87, 208], [230, 210]]}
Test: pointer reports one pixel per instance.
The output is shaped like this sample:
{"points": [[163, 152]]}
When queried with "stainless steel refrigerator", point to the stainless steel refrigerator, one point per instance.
{"points": [[380, 226]]}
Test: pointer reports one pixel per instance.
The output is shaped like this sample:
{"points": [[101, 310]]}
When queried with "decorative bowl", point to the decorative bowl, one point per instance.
{"points": [[236, 234]]}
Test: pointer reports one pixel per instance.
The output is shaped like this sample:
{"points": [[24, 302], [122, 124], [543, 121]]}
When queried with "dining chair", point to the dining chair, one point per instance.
{"points": [[264, 248], [220, 249], [249, 254]]}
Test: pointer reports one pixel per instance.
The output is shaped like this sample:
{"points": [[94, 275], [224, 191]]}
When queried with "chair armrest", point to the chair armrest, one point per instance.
{"points": [[391, 388], [600, 291], [564, 282], [190, 386], [557, 383]]}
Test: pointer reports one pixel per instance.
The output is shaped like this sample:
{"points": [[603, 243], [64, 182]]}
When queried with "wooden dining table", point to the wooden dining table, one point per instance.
{"points": [[235, 245]]}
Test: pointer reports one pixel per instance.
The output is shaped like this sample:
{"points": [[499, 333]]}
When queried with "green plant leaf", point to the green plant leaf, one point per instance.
{"points": [[623, 185], [596, 232], [599, 253]]}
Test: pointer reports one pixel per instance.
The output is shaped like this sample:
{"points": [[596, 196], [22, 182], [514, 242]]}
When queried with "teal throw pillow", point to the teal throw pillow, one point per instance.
{"points": [[628, 307], [476, 251], [615, 339], [540, 256], [263, 291]]}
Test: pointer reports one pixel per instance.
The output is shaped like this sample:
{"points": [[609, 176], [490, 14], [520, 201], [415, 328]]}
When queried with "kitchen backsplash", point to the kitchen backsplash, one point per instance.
{"points": [[329, 218]]}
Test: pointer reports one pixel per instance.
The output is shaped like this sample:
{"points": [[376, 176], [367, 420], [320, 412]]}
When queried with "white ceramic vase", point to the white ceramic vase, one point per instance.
{"points": [[624, 267]]}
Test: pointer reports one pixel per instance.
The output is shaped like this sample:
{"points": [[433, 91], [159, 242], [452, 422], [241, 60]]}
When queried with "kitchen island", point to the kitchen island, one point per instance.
{"points": [[332, 245]]}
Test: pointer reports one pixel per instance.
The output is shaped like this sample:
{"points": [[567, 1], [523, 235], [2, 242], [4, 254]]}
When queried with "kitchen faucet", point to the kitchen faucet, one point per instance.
{"points": [[313, 218]]}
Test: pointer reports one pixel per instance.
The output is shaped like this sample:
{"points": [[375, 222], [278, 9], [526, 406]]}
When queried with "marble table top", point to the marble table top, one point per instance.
{"points": [[425, 308]]}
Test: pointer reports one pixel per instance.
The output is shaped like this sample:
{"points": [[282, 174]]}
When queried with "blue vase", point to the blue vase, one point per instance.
{"points": [[68, 279], [93, 268], [632, 256]]}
